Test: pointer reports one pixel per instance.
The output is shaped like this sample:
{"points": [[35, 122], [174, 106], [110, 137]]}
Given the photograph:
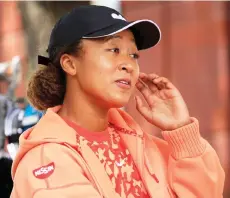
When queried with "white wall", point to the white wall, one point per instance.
{"points": [[115, 4]]}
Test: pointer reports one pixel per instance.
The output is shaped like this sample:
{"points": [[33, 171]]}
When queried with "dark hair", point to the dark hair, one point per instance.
{"points": [[20, 100], [47, 86]]}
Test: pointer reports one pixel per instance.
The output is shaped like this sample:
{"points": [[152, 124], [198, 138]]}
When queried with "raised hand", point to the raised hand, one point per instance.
{"points": [[166, 108]]}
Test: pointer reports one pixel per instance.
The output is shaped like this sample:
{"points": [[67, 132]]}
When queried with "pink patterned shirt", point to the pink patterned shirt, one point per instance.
{"points": [[116, 159]]}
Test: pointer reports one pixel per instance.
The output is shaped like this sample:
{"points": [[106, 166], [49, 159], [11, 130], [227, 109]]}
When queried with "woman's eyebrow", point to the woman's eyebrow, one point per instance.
{"points": [[109, 38]]}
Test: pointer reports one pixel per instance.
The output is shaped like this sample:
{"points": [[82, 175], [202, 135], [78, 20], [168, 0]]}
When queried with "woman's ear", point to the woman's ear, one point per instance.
{"points": [[69, 64]]}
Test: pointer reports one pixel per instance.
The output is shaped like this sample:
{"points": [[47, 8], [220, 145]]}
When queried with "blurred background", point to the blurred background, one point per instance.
{"points": [[194, 53]]}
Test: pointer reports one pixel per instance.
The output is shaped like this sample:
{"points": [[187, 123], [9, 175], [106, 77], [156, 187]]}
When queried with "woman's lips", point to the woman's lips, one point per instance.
{"points": [[124, 83]]}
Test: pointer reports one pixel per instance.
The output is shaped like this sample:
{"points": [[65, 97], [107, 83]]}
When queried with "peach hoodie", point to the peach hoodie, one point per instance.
{"points": [[49, 165]]}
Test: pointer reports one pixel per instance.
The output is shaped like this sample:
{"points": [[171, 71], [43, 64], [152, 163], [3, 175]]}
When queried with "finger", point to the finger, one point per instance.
{"points": [[146, 93], [143, 110], [152, 76], [148, 79], [143, 89], [142, 74], [163, 82], [149, 82]]}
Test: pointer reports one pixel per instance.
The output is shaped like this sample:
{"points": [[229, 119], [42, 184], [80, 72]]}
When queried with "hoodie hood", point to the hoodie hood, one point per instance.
{"points": [[52, 129]]}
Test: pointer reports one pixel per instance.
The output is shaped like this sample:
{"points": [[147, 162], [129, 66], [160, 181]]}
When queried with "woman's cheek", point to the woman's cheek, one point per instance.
{"points": [[136, 76]]}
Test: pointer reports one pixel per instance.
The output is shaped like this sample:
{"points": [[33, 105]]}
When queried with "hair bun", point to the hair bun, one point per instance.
{"points": [[47, 87]]}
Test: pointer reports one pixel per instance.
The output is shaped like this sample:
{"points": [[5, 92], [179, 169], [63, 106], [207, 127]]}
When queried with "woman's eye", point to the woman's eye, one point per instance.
{"points": [[116, 50], [135, 56]]}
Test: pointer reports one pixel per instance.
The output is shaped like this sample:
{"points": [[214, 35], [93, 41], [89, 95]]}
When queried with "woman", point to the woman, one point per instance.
{"points": [[85, 145]]}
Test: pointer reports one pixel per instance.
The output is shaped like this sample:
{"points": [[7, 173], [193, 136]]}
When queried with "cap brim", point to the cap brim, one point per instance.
{"points": [[147, 33]]}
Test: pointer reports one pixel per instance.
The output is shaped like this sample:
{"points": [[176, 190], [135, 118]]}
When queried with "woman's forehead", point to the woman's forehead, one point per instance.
{"points": [[124, 35]]}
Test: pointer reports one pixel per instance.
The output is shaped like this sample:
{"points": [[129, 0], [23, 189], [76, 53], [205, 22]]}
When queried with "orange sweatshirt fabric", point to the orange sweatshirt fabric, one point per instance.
{"points": [[49, 164]]}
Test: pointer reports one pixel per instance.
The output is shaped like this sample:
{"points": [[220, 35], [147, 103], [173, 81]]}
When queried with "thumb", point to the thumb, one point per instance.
{"points": [[143, 110]]}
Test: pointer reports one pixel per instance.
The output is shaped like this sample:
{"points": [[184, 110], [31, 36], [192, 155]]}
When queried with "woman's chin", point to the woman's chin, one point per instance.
{"points": [[114, 101], [118, 103]]}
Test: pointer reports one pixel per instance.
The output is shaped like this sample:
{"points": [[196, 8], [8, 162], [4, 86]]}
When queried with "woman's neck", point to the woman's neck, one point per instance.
{"points": [[84, 112]]}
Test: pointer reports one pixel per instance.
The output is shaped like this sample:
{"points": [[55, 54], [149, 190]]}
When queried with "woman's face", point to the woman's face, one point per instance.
{"points": [[109, 69]]}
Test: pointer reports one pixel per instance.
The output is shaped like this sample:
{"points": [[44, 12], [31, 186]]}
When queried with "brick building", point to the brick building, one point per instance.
{"points": [[194, 55], [12, 42]]}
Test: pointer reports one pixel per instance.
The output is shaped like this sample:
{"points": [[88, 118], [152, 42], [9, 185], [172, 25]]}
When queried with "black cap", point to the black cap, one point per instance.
{"points": [[99, 21]]}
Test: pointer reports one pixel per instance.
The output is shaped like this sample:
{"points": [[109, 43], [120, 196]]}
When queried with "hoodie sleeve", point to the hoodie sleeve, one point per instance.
{"points": [[194, 168], [51, 170]]}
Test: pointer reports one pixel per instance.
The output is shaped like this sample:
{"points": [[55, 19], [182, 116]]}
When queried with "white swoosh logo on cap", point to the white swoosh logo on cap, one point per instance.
{"points": [[115, 16]]}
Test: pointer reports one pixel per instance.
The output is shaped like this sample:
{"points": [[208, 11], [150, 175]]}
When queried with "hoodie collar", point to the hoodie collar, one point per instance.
{"points": [[52, 128]]}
